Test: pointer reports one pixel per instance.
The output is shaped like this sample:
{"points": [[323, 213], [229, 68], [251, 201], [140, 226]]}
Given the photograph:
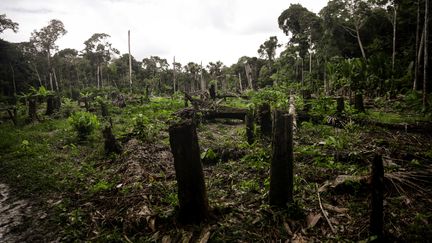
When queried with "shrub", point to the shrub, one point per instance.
{"points": [[143, 128], [68, 107], [84, 123]]}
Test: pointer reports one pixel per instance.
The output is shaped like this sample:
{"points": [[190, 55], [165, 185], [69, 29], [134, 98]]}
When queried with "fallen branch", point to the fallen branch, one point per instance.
{"points": [[323, 211]]}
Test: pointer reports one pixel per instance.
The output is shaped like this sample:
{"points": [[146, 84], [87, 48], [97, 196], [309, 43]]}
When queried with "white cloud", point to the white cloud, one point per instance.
{"points": [[192, 30]]}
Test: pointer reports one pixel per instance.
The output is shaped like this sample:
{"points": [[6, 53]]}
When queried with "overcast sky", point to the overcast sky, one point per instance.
{"points": [[191, 30]]}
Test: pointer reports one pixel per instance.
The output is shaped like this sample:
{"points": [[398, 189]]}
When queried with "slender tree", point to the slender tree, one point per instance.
{"points": [[45, 40]]}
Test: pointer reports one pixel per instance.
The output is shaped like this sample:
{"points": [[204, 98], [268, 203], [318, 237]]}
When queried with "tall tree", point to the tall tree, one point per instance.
{"points": [[267, 50], [99, 51], [45, 39]]}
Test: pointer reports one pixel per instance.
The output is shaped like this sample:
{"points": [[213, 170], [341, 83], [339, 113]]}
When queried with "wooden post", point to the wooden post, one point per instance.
{"points": [[249, 120], [130, 62], [189, 174], [281, 171], [358, 103], [340, 105], [377, 212], [264, 114]]}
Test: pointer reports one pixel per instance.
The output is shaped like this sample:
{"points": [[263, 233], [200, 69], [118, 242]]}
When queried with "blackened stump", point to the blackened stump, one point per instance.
{"points": [[281, 171], [358, 103], [340, 105], [189, 174], [249, 120], [264, 115], [212, 91]]}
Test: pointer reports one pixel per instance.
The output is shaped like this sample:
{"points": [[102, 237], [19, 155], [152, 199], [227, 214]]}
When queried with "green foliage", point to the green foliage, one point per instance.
{"points": [[275, 96], [100, 186], [84, 123], [68, 107], [143, 128]]}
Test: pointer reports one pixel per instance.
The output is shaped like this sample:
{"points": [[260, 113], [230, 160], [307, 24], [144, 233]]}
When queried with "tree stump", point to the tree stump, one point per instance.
{"points": [[57, 103], [358, 103], [264, 115], [111, 145], [212, 91], [281, 171], [32, 108], [50, 105], [189, 174], [340, 105], [377, 208], [249, 120]]}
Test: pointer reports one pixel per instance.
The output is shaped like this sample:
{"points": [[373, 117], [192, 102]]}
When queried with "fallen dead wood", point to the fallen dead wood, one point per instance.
{"points": [[224, 113]]}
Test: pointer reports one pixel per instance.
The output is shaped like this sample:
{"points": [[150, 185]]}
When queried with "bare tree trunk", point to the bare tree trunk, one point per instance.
{"points": [[417, 65], [37, 74], [130, 62], [174, 75], [240, 82], [425, 68], [50, 70], [360, 42], [302, 72], [97, 77], [394, 45], [55, 79], [13, 79], [101, 77]]}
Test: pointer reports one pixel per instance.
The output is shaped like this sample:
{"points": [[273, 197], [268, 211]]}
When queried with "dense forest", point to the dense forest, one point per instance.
{"points": [[327, 137]]}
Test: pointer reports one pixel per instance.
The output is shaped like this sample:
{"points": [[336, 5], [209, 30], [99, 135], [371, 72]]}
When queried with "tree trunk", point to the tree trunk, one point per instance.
{"points": [[264, 115], [13, 79], [130, 62], [249, 120], [340, 105], [377, 208], [281, 172], [50, 105], [50, 70], [240, 84], [32, 108], [426, 56], [394, 46], [416, 61], [97, 76], [360, 42], [358, 103], [55, 79], [110, 144], [212, 92], [13, 115], [192, 195], [174, 76]]}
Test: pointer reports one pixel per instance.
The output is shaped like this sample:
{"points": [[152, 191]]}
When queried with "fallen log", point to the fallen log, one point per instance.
{"points": [[225, 113]]}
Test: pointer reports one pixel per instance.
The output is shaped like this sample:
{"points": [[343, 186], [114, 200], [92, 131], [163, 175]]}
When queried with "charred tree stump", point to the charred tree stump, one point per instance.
{"points": [[189, 174], [57, 103], [340, 105], [358, 103], [377, 208], [32, 109], [281, 171], [249, 120], [50, 105], [212, 91], [111, 145], [264, 114]]}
